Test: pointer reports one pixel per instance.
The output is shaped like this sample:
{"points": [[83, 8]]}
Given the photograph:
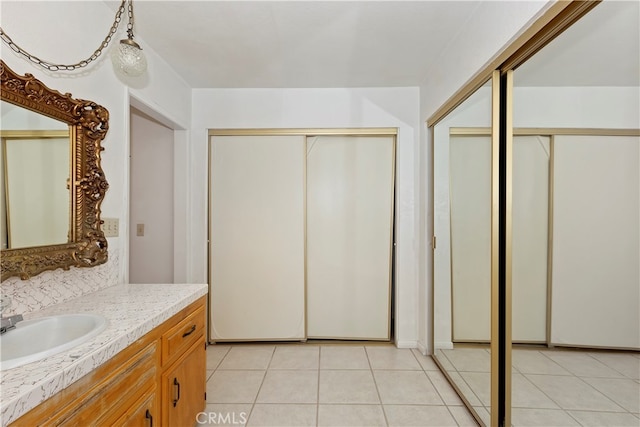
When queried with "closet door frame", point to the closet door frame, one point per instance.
{"points": [[310, 132]]}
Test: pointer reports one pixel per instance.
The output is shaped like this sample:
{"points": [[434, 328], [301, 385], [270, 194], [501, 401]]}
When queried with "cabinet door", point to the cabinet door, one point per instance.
{"points": [[183, 388]]}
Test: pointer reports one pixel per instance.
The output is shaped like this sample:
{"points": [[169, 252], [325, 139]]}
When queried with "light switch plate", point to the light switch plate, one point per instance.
{"points": [[110, 227]]}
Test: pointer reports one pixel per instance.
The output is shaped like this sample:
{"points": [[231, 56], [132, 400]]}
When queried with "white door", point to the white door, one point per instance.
{"points": [[470, 193], [530, 238], [596, 242], [349, 236], [256, 245]]}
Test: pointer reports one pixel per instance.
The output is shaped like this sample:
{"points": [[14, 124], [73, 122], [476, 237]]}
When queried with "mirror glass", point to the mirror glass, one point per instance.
{"points": [[52, 180], [576, 225], [462, 258], [35, 200]]}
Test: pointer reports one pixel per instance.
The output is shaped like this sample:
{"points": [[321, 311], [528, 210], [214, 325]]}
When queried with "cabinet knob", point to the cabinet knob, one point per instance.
{"points": [[149, 417]]}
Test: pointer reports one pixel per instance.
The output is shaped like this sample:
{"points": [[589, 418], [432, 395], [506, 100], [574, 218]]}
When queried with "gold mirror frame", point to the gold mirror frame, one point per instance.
{"points": [[88, 124]]}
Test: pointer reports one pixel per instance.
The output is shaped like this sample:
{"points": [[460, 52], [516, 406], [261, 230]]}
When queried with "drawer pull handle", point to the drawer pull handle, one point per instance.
{"points": [[176, 383], [149, 417], [189, 332]]}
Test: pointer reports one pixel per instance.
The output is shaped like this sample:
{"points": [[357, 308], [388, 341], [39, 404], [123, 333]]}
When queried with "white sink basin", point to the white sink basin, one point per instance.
{"points": [[35, 339]]}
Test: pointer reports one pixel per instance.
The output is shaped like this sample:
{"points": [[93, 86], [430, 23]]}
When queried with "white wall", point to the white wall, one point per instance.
{"points": [[577, 107], [318, 108], [74, 29]]}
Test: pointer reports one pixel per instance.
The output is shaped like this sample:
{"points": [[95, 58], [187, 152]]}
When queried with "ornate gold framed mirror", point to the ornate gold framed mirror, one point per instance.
{"points": [[83, 243]]}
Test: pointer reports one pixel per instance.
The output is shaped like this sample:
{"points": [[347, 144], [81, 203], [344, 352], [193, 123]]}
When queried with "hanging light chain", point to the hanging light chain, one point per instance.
{"points": [[130, 23], [62, 67]]}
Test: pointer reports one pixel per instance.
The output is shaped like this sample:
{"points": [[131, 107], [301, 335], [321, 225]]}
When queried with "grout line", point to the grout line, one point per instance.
{"points": [[582, 379], [444, 403], [592, 355], [253, 405], [318, 393], [375, 382]]}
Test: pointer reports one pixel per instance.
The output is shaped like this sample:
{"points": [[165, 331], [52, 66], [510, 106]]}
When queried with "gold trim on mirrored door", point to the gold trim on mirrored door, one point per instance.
{"points": [[508, 244], [495, 242]]}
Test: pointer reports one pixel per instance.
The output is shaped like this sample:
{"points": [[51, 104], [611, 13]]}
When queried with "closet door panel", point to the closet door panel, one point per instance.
{"points": [[596, 242], [530, 238], [470, 180], [257, 238], [349, 232]]}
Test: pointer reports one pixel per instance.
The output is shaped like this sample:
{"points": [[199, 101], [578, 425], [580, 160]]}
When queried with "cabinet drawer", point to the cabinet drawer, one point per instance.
{"points": [[180, 337]]}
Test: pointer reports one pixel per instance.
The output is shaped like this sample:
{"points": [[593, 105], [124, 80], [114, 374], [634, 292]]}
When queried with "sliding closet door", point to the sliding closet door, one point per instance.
{"points": [[530, 238], [596, 241], [470, 195], [257, 237], [349, 231]]}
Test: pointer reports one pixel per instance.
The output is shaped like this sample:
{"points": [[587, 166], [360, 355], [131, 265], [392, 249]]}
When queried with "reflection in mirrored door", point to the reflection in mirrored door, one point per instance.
{"points": [[462, 257], [581, 93]]}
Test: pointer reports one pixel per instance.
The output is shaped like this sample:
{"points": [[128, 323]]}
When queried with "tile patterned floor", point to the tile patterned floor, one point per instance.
{"points": [[555, 387], [327, 385]]}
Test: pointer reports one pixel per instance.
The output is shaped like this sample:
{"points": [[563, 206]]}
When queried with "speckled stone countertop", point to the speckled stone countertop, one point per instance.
{"points": [[131, 312]]}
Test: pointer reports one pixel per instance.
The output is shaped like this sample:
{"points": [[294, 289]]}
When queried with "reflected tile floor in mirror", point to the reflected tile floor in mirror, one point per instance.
{"points": [[555, 387], [327, 385]]}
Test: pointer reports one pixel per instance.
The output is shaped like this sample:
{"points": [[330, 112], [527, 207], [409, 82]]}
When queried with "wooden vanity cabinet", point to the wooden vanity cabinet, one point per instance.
{"points": [[157, 381], [184, 368], [183, 388]]}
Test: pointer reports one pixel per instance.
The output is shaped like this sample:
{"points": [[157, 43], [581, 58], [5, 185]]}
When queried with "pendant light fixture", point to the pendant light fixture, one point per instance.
{"points": [[127, 57]]}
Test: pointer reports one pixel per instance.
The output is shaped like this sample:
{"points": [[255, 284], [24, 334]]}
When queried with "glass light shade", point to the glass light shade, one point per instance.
{"points": [[129, 59]]}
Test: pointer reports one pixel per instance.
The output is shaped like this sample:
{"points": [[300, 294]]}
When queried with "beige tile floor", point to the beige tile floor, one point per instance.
{"points": [[555, 387], [327, 385]]}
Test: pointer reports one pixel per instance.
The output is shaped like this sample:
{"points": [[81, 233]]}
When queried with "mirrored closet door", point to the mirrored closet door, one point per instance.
{"points": [[581, 95], [462, 150], [566, 346]]}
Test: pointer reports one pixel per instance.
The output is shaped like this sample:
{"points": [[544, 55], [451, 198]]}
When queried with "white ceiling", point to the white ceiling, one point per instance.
{"points": [[300, 43], [240, 44]]}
